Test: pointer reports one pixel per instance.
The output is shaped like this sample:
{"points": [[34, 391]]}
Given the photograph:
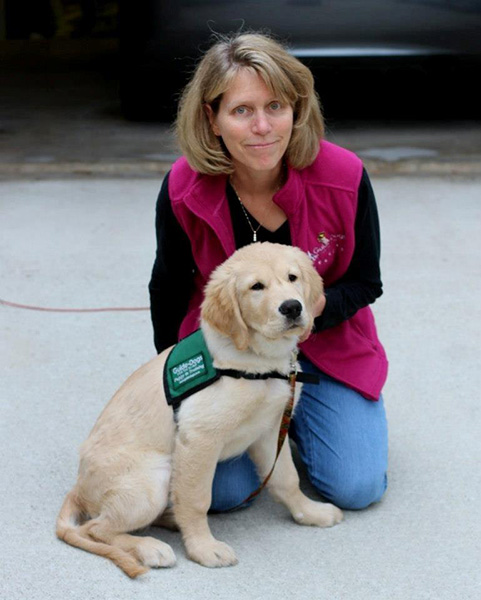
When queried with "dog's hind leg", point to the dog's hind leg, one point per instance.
{"points": [[132, 501], [149, 551], [69, 531]]}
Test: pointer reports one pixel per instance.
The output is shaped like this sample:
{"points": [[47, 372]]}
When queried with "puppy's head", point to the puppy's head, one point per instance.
{"points": [[270, 289]]}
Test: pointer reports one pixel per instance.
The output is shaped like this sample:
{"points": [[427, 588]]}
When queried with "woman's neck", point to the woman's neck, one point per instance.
{"points": [[257, 183]]}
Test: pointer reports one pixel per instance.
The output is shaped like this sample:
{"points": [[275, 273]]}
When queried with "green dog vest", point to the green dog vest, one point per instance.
{"points": [[188, 369]]}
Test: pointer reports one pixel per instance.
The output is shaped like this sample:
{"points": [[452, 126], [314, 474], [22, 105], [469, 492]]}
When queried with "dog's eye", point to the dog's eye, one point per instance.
{"points": [[258, 286], [292, 277]]}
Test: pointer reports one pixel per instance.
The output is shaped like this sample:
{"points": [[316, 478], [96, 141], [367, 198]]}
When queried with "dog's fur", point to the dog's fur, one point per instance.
{"points": [[124, 480]]}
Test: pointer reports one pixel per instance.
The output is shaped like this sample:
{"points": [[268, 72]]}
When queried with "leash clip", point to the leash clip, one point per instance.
{"points": [[294, 365]]}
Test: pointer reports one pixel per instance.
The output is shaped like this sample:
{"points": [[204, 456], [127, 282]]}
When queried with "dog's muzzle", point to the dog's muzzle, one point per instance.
{"points": [[291, 309]]}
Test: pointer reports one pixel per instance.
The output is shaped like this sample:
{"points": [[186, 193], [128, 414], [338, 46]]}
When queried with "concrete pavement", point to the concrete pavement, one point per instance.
{"points": [[85, 243]]}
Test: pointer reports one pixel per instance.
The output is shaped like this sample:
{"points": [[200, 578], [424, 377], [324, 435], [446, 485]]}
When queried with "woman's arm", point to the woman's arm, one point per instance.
{"points": [[361, 284], [171, 283]]}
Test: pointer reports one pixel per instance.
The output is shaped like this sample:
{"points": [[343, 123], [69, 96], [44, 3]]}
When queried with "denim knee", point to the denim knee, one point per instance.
{"points": [[234, 481], [342, 439], [228, 500], [354, 493]]}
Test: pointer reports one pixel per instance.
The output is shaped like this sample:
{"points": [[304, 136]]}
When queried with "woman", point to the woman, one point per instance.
{"points": [[255, 167]]}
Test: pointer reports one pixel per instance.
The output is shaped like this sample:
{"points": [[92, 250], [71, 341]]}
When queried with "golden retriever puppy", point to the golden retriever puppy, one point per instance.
{"points": [[140, 455]]}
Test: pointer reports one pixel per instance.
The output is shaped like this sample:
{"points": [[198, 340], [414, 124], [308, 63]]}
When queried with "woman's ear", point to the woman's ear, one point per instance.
{"points": [[212, 119], [220, 309]]}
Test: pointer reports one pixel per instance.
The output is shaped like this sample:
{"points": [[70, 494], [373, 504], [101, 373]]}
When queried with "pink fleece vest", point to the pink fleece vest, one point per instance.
{"points": [[320, 202]]}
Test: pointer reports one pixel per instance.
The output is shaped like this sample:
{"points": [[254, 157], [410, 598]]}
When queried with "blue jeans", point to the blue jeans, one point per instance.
{"points": [[341, 438]]}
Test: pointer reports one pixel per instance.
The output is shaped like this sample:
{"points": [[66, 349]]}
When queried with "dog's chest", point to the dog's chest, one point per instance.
{"points": [[262, 418]]}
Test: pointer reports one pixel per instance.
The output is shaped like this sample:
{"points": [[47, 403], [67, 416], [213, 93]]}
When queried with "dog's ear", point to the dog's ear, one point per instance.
{"points": [[221, 310], [312, 279]]}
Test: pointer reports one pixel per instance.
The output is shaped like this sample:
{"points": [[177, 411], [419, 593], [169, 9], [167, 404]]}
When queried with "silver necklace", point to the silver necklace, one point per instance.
{"points": [[254, 231]]}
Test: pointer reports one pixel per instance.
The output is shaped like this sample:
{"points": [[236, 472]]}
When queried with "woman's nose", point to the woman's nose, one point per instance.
{"points": [[261, 124]]}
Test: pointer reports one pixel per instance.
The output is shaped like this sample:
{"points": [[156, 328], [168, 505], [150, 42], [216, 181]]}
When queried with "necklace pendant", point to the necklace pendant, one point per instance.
{"points": [[254, 236]]}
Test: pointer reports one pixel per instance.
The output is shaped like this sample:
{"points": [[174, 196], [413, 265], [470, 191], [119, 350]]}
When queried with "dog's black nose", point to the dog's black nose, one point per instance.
{"points": [[291, 309]]}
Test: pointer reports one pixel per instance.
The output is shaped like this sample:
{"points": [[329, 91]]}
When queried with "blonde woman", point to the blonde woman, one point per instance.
{"points": [[255, 167]]}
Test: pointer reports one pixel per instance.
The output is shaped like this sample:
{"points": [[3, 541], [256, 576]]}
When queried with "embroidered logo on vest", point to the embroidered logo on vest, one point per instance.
{"points": [[331, 244], [187, 370]]}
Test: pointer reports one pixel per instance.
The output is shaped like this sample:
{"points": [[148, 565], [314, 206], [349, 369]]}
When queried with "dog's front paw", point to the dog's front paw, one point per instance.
{"points": [[211, 553], [319, 514]]}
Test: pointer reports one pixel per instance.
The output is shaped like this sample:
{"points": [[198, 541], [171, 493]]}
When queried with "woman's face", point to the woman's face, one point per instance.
{"points": [[254, 124]]}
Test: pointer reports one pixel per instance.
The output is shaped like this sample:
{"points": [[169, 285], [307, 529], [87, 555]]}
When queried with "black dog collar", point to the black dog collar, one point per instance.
{"points": [[299, 375]]}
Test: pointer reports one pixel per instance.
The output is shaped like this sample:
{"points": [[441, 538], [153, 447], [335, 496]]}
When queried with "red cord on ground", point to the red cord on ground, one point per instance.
{"points": [[73, 310]]}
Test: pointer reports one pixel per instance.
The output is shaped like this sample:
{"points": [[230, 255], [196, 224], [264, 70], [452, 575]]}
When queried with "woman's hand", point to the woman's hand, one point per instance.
{"points": [[316, 311]]}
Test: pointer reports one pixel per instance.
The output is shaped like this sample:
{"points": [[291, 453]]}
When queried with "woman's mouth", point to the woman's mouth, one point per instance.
{"points": [[261, 146]]}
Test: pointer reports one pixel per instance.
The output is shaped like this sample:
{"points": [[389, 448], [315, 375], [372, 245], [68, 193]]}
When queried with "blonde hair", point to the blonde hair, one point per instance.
{"points": [[281, 72]]}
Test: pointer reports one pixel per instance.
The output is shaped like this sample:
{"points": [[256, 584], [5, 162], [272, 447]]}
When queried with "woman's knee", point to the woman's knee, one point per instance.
{"points": [[343, 441], [234, 481], [352, 493]]}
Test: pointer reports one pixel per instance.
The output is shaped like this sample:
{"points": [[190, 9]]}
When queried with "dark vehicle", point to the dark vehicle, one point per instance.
{"points": [[369, 57]]}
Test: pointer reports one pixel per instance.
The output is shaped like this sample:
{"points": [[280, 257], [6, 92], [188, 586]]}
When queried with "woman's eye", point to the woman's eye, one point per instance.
{"points": [[275, 105], [292, 277], [258, 286], [240, 110]]}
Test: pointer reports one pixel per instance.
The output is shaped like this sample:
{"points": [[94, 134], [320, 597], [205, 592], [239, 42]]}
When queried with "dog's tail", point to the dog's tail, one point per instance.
{"points": [[69, 531]]}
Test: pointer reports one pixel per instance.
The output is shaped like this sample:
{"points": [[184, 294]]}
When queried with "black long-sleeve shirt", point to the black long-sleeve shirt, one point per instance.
{"points": [[172, 279]]}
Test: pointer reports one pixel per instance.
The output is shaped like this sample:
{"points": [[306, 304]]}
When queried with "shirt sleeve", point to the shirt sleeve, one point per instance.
{"points": [[361, 284], [172, 277]]}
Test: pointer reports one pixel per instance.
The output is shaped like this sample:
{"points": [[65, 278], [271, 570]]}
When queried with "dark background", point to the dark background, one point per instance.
{"points": [[148, 48]]}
